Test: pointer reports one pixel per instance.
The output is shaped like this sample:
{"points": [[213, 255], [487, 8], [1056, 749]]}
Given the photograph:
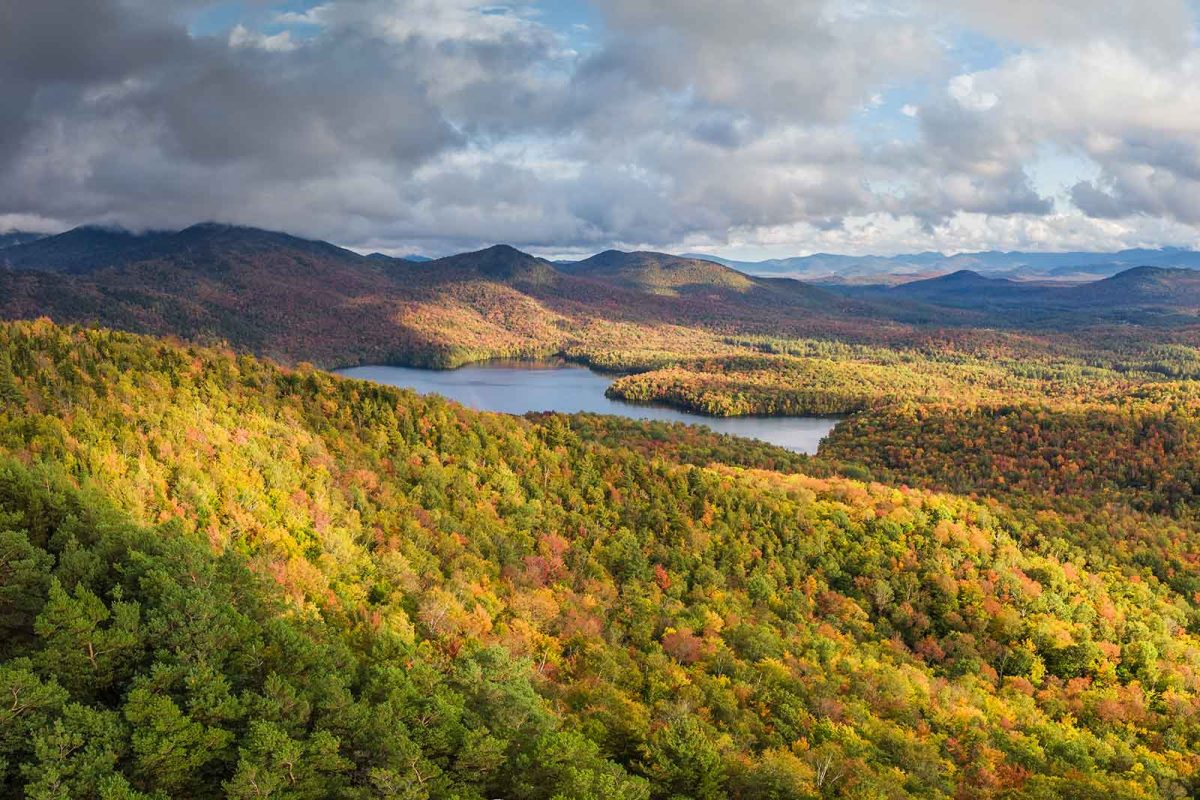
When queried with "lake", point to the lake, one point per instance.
{"points": [[518, 387]]}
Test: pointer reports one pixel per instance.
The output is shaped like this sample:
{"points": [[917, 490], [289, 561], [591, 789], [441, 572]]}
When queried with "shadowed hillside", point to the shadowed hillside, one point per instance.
{"points": [[500, 262], [295, 299], [13, 238], [659, 273], [1150, 287]]}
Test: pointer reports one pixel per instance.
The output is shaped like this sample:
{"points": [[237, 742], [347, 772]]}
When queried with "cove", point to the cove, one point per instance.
{"points": [[518, 387]]}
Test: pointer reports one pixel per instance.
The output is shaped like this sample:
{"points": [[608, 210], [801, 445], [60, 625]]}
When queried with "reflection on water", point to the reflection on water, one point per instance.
{"points": [[518, 387]]}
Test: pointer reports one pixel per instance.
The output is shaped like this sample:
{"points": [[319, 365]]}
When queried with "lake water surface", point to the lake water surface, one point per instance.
{"points": [[518, 387]]}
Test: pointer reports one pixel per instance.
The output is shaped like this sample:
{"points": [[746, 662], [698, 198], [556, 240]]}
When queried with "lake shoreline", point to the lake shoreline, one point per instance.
{"points": [[524, 386], [559, 360]]}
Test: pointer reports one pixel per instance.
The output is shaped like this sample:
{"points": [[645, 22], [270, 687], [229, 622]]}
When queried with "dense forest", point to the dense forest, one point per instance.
{"points": [[226, 578]]}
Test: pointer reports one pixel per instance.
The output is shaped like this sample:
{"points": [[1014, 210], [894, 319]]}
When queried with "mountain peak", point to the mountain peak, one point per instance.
{"points": [[963, 276], [660, 273], [501, 261], [959, 279], [504, 248], [213, 226], [1147, 271], [214, 230]]}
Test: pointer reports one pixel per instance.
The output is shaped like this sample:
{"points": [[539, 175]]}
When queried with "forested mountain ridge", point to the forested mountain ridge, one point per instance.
{"points": [[13, 238], [659, 272], [352, 591], [215, 283], [92, 249], [1152, 287], [298, 300]]}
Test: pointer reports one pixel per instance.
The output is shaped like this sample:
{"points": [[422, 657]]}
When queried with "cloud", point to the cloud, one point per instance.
{"points": [[1150, 25], [777, 60], [1136, 117], [281, 42], [125, 116], [445, 124]]}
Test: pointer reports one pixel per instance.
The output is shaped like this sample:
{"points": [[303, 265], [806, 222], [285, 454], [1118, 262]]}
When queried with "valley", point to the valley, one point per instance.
{"points": [[981, 584]]}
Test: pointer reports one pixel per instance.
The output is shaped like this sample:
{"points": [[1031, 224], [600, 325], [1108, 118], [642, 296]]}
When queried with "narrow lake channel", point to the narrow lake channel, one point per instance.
{"points": [[518, 387]]}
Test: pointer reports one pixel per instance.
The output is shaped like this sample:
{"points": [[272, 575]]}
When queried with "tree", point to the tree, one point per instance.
{"points": [[77, 755], [84, 643], [272, 764], [28, 707], [776, 775], [682, 761], [170, 749], [24, 580]]}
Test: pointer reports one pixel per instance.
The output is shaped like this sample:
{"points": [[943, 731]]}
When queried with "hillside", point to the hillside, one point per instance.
{"points": [[659, 273], [224, 578], [298, 300], [969, 289], [1144, 287], [13, 238]]}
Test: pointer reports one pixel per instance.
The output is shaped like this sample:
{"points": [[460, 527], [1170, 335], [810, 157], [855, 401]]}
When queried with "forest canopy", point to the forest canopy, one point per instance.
{"points": [[224, 578]]}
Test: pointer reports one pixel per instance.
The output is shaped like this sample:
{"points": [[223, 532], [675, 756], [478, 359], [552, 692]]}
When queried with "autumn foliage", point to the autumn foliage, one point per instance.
{"points": [[224, 578]]}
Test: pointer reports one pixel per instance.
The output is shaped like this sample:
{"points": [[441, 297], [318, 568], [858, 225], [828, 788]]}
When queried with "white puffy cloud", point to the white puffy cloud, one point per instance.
{"points": [[1135, 116]]}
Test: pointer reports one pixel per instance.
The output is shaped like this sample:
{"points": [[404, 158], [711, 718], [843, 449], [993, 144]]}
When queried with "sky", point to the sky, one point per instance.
{"points": [[751, 129]]}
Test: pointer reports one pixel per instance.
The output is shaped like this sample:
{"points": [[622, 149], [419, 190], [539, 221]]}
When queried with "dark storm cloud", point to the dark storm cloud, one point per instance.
{"points": [[51, 49], [113, 111]]}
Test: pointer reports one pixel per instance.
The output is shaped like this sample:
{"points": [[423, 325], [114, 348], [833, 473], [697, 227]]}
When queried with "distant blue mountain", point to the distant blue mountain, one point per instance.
{"points": [[415, 259], [1074, 266]]}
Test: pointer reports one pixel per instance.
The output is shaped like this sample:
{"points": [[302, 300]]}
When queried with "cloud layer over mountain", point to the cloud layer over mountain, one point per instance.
{"points": [[759, 128]]}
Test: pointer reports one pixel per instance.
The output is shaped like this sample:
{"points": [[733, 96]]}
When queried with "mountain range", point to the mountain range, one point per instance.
{"points": [[1146, 289], [831, 268], [297, 299], [301, 300], [836, 269], [1070, 266]]}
